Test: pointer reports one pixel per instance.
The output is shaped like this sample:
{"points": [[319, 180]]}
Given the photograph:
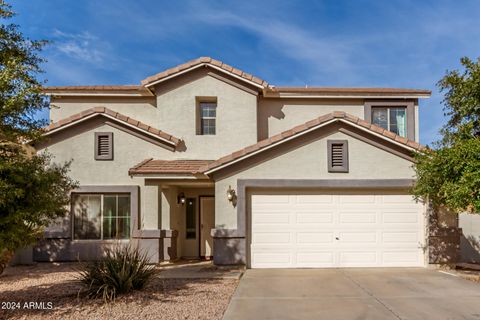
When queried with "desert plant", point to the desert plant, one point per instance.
{"points": [[123, 269]]}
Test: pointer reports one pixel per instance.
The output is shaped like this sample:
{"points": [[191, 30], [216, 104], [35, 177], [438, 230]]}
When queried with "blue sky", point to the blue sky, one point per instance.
{"points": [[317, 43]]}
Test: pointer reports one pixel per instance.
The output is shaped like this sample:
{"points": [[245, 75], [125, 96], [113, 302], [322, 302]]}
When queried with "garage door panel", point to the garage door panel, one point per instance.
{"points": [[269, 199], [400, 216], [313, 199], [358, 217], [358, 258], [314, 217], [356, 199], [273, 238], [305, 238], [271, 217], [265, 259], [315, 259], [400, 238], [335, 230], [401, 199], [357, 238], [401, 258]]}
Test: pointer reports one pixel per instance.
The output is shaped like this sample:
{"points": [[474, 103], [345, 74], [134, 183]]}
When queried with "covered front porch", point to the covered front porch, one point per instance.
{"points": [[177, 214]]}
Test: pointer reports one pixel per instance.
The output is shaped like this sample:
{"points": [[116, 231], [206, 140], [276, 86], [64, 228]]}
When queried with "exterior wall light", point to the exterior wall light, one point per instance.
{"points": [[232, 196], [181, 198]]}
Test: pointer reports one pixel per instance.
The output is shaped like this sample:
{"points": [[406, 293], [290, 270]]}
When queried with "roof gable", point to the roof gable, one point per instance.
{"points": [[200, 62], [116, 117], [386, 137]]}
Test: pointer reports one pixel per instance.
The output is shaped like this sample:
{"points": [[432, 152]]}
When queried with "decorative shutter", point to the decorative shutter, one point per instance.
{"points": [[337, 155], [103, 145]]}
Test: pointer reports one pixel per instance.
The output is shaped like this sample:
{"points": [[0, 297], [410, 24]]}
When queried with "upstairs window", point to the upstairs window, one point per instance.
{"points": [[103, 146], [393, 119], [337, 155], [208, 118]]}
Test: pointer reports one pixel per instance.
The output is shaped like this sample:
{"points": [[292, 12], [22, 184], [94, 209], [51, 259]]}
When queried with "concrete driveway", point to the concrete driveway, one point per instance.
{"points": [[353, 294]]}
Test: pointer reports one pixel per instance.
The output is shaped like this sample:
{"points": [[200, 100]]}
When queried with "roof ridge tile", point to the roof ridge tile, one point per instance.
{"points": [[99, 110], [338, 115]]}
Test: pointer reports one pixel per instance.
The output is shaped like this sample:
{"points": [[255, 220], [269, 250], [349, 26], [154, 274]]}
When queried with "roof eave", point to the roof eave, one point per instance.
{"points": [[68, 125], [345, 96], [156, 175], [212, 170]]}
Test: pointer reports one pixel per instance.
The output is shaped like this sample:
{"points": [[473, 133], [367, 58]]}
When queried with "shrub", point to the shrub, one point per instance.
{"points": [[122, 270]]}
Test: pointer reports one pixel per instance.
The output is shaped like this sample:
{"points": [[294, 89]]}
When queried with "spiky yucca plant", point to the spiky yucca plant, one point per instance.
{"points": [[122, 270]]}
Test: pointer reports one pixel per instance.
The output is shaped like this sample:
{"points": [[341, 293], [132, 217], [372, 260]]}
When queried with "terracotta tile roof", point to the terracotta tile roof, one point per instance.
{"points": [[205, 61], [269, 91], [118, 117], [336, 115], [151, 166], [328, 91]]}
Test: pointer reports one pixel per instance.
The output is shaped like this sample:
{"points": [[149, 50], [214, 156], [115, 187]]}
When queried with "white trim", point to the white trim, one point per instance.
{"points": [[305, 132], [112, 118], [201, 65], [352, 96]]}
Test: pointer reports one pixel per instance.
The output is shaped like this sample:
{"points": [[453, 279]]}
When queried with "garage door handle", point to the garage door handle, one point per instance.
{"points": [[336, 238]]}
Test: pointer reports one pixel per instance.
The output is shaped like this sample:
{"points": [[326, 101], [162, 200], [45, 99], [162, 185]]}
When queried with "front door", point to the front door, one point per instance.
{"points": [[207, 223]]}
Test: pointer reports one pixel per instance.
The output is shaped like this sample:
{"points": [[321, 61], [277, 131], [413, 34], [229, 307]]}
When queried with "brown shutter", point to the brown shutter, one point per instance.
{"points": [[103, 145], [337, 155]]}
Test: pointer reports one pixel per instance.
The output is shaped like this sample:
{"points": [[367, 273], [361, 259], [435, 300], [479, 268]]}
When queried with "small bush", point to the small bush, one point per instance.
{"points": [[122, 270]]}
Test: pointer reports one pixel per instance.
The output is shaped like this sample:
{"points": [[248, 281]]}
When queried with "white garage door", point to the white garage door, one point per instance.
{"points": [[336, 230]]}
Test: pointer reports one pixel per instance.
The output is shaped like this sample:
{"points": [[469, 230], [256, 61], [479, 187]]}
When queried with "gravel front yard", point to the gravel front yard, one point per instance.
{"points": [[161, 299]]}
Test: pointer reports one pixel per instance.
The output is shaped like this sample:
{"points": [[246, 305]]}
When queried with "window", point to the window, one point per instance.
{"points": [[191, 220], [101, 216], [337, 155], [103, 145], [208, 115], [391, 118]]}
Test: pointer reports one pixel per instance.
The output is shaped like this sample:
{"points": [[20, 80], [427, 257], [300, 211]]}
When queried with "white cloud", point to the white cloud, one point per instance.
{"points": [[81, 46], [322, 54]]}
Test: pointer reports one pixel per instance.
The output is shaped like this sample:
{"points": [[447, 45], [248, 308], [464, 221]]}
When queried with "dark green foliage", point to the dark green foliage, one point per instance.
{"points": [[122, 270], [450, 176], [20, 91], [449, 173], [462, 102], [33, 191]]}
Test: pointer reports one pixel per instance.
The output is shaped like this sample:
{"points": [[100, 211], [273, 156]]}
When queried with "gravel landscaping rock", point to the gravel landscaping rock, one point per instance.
{"points": [[161, 299]]}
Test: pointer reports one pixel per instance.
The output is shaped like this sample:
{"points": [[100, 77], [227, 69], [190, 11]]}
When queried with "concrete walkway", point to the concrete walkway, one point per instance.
{"points": [[353, 294], [197, 269]]}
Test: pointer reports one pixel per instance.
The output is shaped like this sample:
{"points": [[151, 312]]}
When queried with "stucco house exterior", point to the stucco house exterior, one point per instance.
{"points": [[206, 161]]}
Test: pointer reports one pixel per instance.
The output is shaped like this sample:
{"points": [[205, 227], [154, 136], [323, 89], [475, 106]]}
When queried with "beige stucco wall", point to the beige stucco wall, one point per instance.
{"points": [[236, 115], [174, 112], [79, 144], [310, 162], [141, 108], [278, 115]]}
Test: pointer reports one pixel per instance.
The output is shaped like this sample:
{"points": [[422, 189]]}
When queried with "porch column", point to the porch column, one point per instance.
{"points": [[154, 235], [150, 211]]}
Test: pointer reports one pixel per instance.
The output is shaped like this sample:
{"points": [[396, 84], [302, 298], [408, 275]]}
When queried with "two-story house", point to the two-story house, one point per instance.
{"points": [[205, 160]]}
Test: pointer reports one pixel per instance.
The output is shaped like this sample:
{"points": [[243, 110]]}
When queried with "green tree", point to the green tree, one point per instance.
{"points": [[449, 173], [33, 191]]}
